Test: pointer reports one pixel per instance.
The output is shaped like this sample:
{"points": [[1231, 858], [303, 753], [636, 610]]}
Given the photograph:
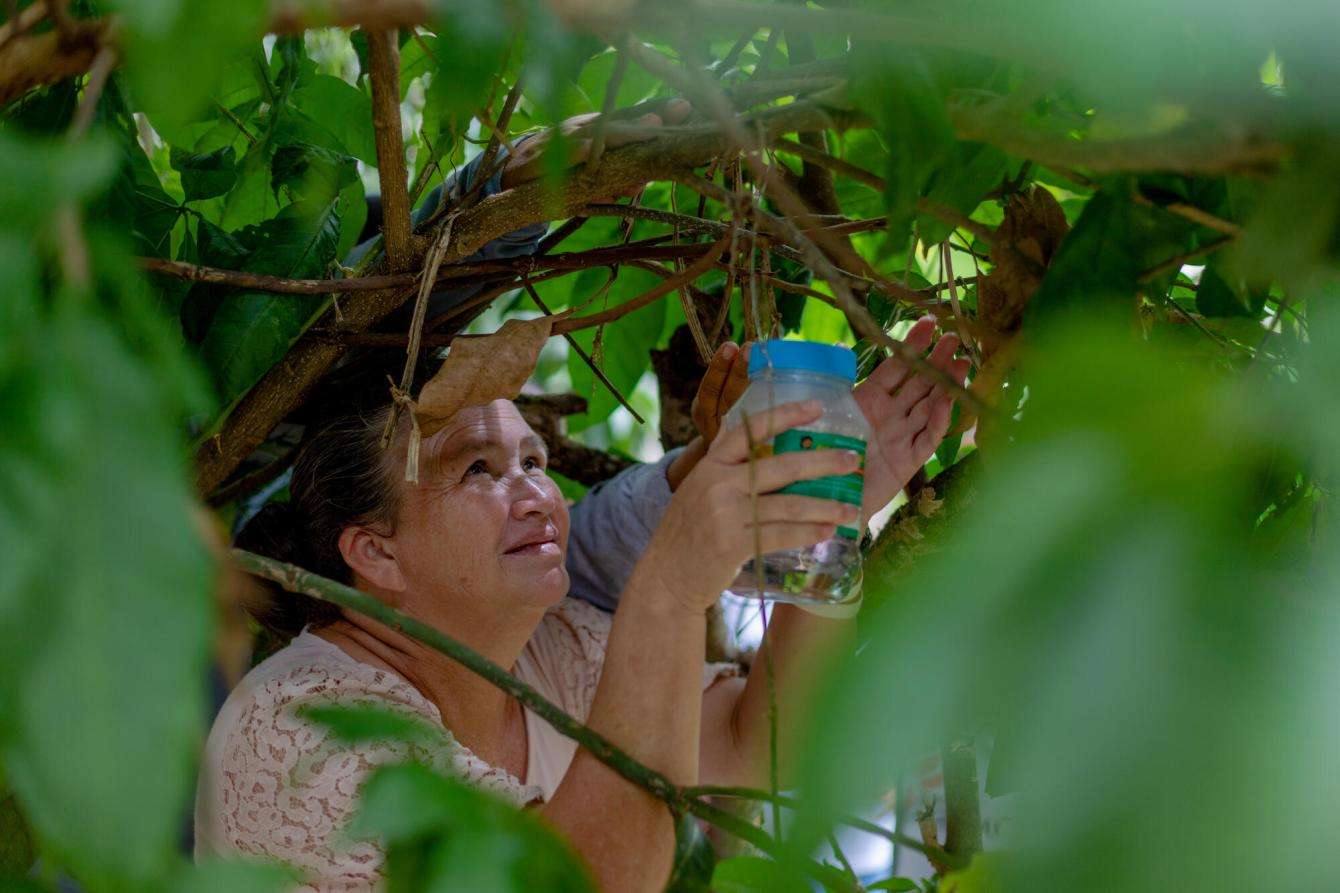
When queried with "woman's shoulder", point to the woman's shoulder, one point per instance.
{"points": [[311, 669], [263, 727]]}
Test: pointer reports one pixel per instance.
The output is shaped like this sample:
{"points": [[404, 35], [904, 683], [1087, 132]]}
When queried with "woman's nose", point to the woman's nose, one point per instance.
{"points": [[533, 496]]}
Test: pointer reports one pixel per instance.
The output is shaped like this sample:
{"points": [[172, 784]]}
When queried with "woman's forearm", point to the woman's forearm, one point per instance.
{"points": [[800, 645], [648, 703]]}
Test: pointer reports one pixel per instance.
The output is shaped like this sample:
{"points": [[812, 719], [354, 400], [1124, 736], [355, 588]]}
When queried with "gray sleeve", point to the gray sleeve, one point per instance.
{"points": [[513, 244], [611, 527]]}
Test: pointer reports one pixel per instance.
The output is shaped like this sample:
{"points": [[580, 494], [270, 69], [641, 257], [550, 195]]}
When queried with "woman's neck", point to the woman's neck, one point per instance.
{"points": [[480, 715]]}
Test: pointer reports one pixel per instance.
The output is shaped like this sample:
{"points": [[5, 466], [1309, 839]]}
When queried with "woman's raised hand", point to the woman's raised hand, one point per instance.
{"points": [[708, 530], [908, 413]]}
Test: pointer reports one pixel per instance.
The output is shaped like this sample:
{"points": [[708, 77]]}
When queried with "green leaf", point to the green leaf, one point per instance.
{"points": [[330, 113], [113, 605], [311, 174], [207, 175], [825, 324], [41, 175], [176, 51], [253, 330], [234, 877], [417, 58], [441, 834], [353, 725], [691, 871], [1100, 263], [627, 343], [754, 874], [251, 200], [900, 93], [968, 173], [893, 883], [1215, 297]]}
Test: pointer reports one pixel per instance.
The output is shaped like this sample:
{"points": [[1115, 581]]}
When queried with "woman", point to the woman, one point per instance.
{"points": [[477, 550]]}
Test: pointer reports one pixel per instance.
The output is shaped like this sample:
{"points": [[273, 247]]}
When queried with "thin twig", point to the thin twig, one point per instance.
{"points": [[611, 96], [699, 267], [792, 803], [763, 613], [863, 324], [412, 348], [457, 274], [236, 122], [485, 171], [861, 175], [586, 358]]}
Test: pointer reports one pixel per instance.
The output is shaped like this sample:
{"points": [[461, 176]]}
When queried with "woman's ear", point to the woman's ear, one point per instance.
{"points": [[371, 558]]}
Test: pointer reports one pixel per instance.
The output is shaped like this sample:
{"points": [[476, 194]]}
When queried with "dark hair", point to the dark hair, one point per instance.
{"points": [[342, 477]]}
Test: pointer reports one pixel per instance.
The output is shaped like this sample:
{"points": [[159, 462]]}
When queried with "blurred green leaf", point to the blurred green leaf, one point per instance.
{"points": [[105, 695], [754, 874], [233, 877], [1115, 623], [969, 172], [1100, 263], [176, 51], [901, 95], [353, 725], [441, 834]]}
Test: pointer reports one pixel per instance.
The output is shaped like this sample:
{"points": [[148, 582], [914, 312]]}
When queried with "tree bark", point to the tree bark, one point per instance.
{"points": [[291, 380]]}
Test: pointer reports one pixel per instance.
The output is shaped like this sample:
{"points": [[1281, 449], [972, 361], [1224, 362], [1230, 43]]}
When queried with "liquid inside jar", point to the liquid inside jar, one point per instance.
{"points": [[828, 572]]}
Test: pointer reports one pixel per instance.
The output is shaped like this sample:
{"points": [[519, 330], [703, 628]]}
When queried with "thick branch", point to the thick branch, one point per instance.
{"points": [[963, 808], [384, 73], [288, 383]]}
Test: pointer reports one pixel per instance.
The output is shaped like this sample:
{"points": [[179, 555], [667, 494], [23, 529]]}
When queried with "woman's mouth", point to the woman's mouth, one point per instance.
{"points": [[543, 544]]}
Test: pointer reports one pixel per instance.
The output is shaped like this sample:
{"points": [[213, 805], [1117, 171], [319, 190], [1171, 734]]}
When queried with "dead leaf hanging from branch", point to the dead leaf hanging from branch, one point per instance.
{"points": [[478, 370]]}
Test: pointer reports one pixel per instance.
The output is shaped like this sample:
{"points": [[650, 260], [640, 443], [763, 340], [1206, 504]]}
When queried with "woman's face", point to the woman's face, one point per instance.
{"points": [[485, 521]]}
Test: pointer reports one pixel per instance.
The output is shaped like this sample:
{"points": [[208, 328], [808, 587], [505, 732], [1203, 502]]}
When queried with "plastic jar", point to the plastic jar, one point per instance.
{"points": [[785, 372]]}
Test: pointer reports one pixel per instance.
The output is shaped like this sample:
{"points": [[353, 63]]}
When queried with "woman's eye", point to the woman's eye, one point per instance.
{"points": [[479, 466], [533, 462]]}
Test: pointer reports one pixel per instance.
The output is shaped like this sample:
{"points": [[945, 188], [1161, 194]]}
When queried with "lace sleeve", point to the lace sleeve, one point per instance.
{"points": [[283, 789]]}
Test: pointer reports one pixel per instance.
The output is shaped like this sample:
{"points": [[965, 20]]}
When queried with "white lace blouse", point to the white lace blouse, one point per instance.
{"points": [[274, 785]]}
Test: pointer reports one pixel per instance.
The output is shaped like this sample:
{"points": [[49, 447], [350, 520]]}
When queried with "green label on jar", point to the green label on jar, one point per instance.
{"points": [[846, 488]]}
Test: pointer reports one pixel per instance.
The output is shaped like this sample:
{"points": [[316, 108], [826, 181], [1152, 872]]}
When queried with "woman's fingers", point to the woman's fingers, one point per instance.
{"points": [[772, 537], [732, 445], [737, 379], [775, 472], [918, 386], [778, 508], [889, 374]]}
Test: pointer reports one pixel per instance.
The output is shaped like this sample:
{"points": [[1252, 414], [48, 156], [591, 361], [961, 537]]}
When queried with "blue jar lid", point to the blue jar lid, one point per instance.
{"points": [[809, 356]]}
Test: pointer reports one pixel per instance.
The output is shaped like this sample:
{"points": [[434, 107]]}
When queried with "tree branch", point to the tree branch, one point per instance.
{"points": [[288, 383], [294, 579], [384, 73]]}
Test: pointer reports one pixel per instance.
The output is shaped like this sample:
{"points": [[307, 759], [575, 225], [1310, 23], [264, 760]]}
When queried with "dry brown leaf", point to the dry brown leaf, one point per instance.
{"points": [[1025, 242], [478, 370]]}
